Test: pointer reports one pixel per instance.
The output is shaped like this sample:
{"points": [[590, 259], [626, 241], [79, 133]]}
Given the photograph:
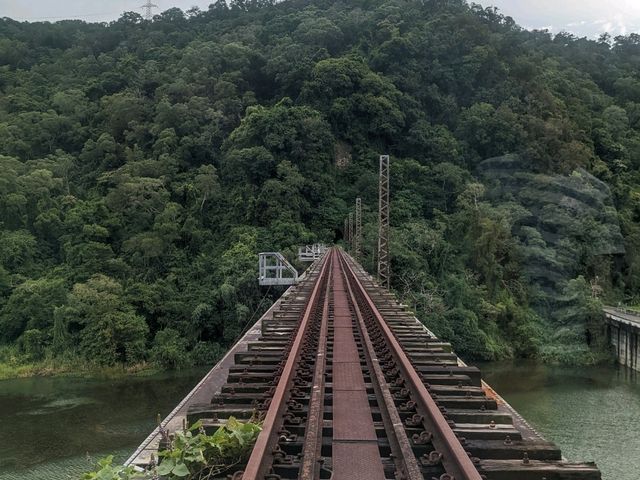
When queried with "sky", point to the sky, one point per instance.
{"points": [[587, 18]]}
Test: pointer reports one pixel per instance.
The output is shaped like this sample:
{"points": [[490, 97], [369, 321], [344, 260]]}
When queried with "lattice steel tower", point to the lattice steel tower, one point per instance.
{"points": [[346, 231], [351, 231], [384, 272], [148, 9], [357, 247]]}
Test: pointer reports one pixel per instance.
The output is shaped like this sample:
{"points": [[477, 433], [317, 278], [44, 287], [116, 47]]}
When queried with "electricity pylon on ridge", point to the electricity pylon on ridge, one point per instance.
{"points": [[384, 273], [148, 9]]}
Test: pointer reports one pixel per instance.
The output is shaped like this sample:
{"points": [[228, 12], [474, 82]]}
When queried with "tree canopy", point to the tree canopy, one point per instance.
{"points": [[145, 163]]}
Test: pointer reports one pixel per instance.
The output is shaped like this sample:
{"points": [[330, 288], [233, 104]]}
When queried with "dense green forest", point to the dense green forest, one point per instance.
{"points": [[145, 163]]}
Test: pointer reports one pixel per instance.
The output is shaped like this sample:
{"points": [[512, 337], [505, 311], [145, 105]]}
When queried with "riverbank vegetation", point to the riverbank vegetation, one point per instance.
{"points": [[15, 364], [143, 164]]}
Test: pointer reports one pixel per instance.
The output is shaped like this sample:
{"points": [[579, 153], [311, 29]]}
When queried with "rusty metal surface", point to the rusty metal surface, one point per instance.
{"points": [[255, 465], [454, 456], [352, 416], [370, 420], [347, 376], [342, 321], [343, 350], [210, 384], [405, 460], [352, 419], [309, 470], [357, 461]]}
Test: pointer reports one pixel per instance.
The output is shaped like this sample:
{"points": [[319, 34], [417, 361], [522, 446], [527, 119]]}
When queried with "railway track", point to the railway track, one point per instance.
{"points": [[351, 386]]}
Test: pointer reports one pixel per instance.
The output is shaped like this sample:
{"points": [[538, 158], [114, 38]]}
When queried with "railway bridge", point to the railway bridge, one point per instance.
{"points": [[623, 331], [350, 385]]}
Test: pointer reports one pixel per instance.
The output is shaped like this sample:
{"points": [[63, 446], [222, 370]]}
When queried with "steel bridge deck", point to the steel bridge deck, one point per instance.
{"points": [[352, 386]]}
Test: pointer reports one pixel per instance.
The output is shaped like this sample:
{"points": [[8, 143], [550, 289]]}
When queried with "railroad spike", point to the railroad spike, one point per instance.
{"points": [[422, 438], [432, 459], [415, 421]]}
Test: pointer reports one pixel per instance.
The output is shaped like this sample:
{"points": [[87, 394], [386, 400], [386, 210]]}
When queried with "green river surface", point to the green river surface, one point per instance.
{"points": [[49, 425], [56, 428], [592, 413]]}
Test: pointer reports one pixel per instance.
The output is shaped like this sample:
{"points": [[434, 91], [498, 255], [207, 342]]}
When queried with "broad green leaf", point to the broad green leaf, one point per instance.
{"points": [[196, 426], [180, 470], [166, 466]]}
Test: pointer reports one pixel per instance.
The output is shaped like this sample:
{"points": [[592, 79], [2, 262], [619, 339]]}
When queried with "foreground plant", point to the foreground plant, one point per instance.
{"points": [[193, 454], [107, 471]]}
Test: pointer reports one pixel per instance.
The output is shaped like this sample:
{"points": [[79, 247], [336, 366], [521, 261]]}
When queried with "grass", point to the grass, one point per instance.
{"points": [[13, 364]]}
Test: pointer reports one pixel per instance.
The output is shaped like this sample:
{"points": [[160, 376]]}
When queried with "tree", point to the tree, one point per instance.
{"points": [[17, 249], [109, 331], [30, 307], [169, 349], [206, 184], [355, 99]]}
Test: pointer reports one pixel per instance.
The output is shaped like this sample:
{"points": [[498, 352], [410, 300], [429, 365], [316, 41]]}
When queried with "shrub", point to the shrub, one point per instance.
{"points": [[33, 343], [206, 353], [169, 349]]}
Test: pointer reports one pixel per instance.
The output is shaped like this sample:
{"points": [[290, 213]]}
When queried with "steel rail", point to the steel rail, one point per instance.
{"points": [[310, 467], [406, 463], [454, 457], [256, 465]]}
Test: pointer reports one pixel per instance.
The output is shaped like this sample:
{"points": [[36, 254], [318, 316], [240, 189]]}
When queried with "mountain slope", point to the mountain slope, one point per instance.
{"points": [[145, 163]]}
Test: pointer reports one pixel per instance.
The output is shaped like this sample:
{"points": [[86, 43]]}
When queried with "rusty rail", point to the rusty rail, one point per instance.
{"points": [[263, 449], [352, 387], [452, 454], [407, 464], [309, 470], [454, 457]]}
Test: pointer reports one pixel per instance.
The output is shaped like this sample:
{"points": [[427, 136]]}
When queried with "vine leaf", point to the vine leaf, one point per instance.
{"points": [[180, 470]]}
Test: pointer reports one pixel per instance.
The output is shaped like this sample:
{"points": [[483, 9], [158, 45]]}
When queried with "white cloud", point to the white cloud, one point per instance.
{"points": [[616, 24], [581, 17]]}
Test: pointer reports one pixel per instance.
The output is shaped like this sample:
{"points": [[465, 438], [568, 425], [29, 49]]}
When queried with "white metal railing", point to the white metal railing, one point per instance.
{"points": [[274, 269], [311, 253]]}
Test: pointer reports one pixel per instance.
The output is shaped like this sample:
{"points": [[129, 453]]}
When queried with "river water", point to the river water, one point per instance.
{"points": [[49, 425], [56, 428], [593, 414]]}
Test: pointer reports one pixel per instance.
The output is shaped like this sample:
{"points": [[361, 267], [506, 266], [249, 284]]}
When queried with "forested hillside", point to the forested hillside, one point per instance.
{"points": [[144, 164]]}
